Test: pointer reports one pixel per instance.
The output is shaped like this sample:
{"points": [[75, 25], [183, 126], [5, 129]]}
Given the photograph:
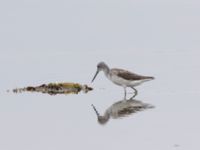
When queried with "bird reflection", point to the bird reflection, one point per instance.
{"points": [[120, 109]]}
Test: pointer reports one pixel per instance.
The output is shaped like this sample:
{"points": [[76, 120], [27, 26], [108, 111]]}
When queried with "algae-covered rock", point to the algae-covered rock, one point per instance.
{"points": [[56, 88]]}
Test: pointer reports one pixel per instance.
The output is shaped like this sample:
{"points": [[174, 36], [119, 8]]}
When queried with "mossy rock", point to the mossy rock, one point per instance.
{"points": [[57, 88]]}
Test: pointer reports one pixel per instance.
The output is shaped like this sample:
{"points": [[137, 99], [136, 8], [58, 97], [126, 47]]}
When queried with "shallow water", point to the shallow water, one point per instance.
{"points": [[39, 121], [45, 42]]}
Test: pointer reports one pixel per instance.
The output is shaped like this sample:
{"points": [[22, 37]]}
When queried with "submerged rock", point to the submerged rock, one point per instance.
{"points": [[56, 88]]}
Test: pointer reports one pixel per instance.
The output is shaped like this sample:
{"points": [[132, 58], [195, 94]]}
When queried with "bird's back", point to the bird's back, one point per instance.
{"points": [[127, 75]]}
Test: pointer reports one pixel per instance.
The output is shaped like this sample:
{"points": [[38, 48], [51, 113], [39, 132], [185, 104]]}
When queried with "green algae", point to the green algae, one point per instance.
{"points": [[56, 88]]}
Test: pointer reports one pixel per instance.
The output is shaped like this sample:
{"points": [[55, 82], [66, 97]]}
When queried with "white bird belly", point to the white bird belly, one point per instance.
{"points": [[127, 83]]}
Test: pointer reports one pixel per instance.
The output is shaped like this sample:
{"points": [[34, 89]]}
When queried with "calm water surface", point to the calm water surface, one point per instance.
{"points": [[31, 121]]}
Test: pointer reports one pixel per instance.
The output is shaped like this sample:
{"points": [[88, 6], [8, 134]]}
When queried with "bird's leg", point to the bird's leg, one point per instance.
{"points": [[124, 93], [136, 92]]}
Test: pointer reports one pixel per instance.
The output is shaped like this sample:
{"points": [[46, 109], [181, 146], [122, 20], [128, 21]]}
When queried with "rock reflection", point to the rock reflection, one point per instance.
{"points": [[120, 109]]}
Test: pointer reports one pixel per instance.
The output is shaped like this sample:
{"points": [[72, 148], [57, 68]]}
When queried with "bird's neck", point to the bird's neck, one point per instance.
{"points": [[106, 116], [106, 71]]}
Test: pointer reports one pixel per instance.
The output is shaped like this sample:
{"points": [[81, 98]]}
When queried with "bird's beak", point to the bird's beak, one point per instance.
{"points": [[95, 75], [97, 113]]}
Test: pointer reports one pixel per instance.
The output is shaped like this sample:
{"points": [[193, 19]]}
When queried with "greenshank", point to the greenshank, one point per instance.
{"points": [[122, 77]]}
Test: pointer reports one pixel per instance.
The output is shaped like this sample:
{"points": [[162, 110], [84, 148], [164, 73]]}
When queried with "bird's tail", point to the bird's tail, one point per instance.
{"points": [[151, 78]]}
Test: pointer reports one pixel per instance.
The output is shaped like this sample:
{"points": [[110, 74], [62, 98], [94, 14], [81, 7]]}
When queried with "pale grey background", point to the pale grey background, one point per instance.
{"points": [[56, 41]]}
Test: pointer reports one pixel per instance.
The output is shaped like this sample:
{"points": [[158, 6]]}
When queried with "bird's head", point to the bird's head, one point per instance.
{"points": [[100, 67], [101, 119]]}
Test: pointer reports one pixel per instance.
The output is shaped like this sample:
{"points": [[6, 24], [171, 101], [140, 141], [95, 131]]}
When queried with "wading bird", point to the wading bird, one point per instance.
{"points": [[122, 77]]}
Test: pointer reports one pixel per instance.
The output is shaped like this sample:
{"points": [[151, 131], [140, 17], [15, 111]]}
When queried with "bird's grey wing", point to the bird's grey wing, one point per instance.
{"points": [[129, 75], [133, 106]]}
